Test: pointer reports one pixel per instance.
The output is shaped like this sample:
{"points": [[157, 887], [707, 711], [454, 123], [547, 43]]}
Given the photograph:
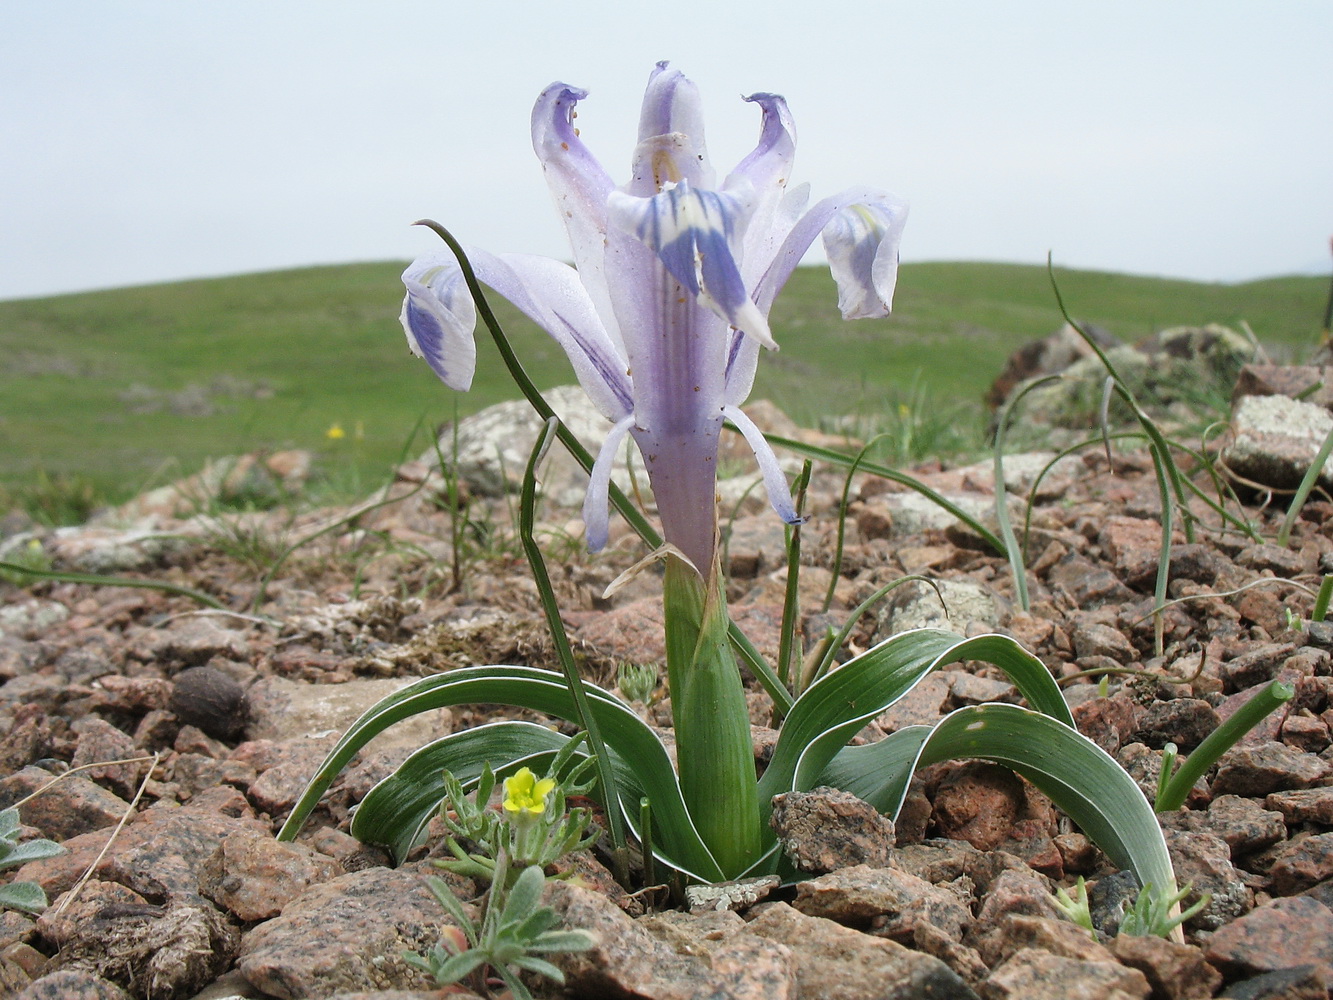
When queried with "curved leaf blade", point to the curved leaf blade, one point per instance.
{"points": [[1078, 776], [625, 734]]}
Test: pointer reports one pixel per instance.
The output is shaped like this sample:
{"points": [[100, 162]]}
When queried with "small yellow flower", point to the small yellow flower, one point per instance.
{"points": [[335, 433], [524, 793]]}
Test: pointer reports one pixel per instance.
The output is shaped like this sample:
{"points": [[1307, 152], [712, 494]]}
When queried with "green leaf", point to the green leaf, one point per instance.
{"points": [[457, 966], [32, 850], [9, 823], [26, 896], [524, 898], [626, 735], [840, 703], [1079, 777]]}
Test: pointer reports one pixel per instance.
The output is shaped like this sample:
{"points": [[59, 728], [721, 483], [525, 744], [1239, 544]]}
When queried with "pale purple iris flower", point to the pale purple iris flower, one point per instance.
{"points": [[666, 308]]}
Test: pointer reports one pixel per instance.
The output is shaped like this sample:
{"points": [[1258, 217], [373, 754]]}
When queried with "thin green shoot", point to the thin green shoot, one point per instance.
{"points": [[1013, 551], [1308, 481], [791, 603], [551, 608], [1322, 598], [842, 519], [1218, 742]]}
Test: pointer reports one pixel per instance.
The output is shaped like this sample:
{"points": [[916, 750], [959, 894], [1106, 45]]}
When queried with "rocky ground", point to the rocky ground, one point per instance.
{"points": [[193, 898]]}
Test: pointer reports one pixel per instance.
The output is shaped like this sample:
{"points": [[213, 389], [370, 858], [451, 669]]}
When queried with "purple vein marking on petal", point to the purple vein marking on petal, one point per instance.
{"points": [[611, 374], [734, 350], [429, 334]]}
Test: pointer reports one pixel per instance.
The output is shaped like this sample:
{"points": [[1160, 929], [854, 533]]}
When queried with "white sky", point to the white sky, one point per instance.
{"points": [[149, 140]]}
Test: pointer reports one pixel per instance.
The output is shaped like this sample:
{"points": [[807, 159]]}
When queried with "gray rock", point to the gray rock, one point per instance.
{"points": [[69, 984], [1203, 865], [346, 934], [32, 618], [1269, 767], [255, 877], [281, 709], [918, 605], [826, 829], [892, 903], [88, 549], [1032, 974], [833, 961], [1274, 440], [628, 960]]}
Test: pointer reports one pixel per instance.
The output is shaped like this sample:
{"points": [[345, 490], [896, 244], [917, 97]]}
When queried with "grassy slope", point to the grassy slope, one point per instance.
{"points": [[326, 341]]}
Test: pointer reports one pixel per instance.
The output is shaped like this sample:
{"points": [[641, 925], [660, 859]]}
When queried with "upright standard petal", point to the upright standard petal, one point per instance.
{"points": [[438, 317], [671, 106], [580, 187], [766, 170], [692, 232]]}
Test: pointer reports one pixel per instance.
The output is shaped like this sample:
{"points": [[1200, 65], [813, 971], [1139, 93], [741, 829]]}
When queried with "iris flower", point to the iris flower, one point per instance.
{"points": [[665, 310]]}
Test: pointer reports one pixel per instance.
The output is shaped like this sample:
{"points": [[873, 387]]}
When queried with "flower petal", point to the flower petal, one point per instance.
{"points": [[596, 516], [671, 106], [438, 317], [766, 170], [775, 481], [862, 244], [888, 213], [692, 232], [579, 186]]}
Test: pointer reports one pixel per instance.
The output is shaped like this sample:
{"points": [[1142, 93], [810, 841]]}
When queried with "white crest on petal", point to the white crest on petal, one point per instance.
{"points": [[693, 233]]}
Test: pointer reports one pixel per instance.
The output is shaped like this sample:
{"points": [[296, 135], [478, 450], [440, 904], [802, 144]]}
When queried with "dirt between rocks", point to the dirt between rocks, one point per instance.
{"points": [[194, 898]]}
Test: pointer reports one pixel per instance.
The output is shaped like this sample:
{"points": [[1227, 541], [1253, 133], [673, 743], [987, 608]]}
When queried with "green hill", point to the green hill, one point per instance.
{"points": [[120, 389]]}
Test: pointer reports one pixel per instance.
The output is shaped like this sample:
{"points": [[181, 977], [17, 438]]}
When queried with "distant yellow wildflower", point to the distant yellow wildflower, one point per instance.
{"points": [[335, 432]]}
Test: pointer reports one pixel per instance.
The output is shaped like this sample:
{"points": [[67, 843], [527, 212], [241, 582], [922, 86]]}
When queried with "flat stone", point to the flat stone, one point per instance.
{"points": [[1038, 975], [73, 806], [1304, 805], [255, 877], [1203, 863], [1275, 439], [1174, 971], [833, 961], [1285, 934], [1302, 863], [1270, 767], [628, 960], [158, 852], [346, 934], [890, 902], [68, 984]]}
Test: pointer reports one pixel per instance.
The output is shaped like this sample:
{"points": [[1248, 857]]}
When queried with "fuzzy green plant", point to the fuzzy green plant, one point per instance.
{"points": [[27, 897], [507, 849]]}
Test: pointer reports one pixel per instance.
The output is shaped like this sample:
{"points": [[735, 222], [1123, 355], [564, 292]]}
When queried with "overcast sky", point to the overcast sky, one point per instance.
{"points": [[149, 140]]}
